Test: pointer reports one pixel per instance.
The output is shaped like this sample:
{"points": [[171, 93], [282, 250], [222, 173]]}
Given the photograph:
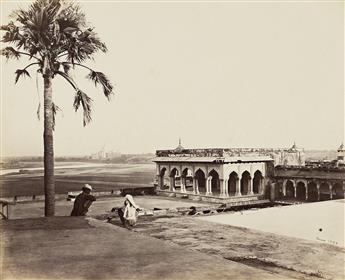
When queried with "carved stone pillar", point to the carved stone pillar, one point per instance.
{"points": [[263, 185], [273, 191], [250, 186], [260, 185], [209, 185], [223, 188], [160, 182], [183, 184], [227, 187], [284, 188], [238, 187], [195, 186], [172, 184]]}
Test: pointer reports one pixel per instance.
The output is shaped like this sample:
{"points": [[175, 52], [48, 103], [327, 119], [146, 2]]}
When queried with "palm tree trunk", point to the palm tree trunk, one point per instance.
{"points": [[49, 181]]}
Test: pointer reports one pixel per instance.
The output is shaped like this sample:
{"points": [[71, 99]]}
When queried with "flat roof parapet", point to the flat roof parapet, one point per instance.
{"points": [[218, 152], [222, 160], [318, 168]]}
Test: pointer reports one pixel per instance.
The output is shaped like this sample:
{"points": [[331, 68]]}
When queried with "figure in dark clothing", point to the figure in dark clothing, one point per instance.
{"points": [[83, 201]]}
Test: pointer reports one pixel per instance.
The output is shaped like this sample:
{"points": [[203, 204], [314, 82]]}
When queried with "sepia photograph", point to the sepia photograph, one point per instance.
{"points": [[172, 139]]}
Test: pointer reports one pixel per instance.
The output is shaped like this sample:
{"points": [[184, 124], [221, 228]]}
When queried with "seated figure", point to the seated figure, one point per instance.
{"points": [[83, 201]]}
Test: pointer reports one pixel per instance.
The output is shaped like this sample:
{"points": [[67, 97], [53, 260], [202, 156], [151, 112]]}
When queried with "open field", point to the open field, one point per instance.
{"points": [[102, 178]]}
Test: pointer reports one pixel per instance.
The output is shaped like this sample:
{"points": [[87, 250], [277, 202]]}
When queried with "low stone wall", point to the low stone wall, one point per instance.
{"points": [[214, 199], [26, 198], [116, 193]]}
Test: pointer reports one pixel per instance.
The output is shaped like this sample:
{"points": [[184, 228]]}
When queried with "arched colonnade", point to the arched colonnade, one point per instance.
{"points": [[212, 180], [312, 190]]}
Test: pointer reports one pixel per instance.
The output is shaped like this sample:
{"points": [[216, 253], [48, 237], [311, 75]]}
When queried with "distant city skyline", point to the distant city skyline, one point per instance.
{"points": [[213, 74]]}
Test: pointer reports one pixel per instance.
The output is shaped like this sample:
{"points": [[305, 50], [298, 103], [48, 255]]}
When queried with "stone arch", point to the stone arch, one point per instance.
{"points": [[312, 191], [215, 183], [257, 182], [187, 178], [233, 177], [325, 192], [162, 171], [304, 182], [163, 181], [243, 170], [200, 180], [174, 172], [187, 171], [338, 191], [245, 182], [289, 189], [202, 168], [301, 190]]}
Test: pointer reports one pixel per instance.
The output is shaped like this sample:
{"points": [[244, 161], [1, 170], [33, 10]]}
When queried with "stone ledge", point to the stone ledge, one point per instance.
{"points": [[215, 199], [110, 193]]}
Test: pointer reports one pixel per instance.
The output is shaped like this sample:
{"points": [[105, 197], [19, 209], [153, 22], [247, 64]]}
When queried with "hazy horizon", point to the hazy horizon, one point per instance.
{"points": [[149, 153], [213, 74]]}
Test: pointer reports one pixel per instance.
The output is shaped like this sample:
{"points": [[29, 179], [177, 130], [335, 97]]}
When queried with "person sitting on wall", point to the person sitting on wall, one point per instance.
{"points": [[83, 201]]}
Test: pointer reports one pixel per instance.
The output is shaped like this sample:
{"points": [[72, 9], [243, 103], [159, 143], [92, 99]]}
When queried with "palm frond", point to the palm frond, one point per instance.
{"points": [[56, 26], [40, 14], [21, 72], [55, 108], [66, 67], [85, 101], [8, 27], [100, 78], [68, 79], [10, 52], [83, 45], [55, 33], [12, 33], [71, 16]]}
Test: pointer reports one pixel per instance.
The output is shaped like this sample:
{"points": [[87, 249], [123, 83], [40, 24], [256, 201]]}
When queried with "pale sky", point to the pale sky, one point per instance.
{"points": [[254, 74]]}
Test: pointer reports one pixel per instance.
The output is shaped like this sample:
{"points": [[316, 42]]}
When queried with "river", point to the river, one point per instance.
{"points": [[68, 166]]}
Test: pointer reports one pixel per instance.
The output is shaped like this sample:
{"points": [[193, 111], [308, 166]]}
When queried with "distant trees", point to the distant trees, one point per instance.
{"points": [[54, 35]]}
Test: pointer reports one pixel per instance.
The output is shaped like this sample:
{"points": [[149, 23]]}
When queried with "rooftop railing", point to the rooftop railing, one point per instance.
{"points": [[220, 152]]}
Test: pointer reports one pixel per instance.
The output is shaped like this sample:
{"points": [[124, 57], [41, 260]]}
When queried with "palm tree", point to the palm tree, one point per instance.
{"points": [[54, 35]]}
